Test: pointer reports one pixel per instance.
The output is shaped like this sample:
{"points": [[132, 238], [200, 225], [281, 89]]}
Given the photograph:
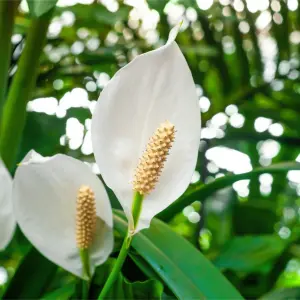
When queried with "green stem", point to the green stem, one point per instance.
{"points": [[136, 211], [7, 12], [117, 267], [85, 289], [136, 207], [14, 112], [85, 260]]}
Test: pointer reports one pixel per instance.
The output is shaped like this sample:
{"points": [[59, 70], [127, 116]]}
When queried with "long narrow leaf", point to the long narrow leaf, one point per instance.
{"points": [[183, 268], [14, 112], [7, 13], [201, 192], [39, 7]]}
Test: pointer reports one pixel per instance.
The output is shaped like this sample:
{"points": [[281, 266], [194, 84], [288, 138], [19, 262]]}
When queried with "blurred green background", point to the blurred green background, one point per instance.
{"points": [[244, 58]]}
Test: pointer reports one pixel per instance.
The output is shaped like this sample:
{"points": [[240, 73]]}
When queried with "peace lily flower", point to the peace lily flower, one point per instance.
{"points": [[64, 211], [7, 219], [146, 131]]}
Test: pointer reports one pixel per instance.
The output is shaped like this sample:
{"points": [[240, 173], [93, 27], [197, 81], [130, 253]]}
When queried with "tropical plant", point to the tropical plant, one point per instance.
{"points": [[234, 233]]}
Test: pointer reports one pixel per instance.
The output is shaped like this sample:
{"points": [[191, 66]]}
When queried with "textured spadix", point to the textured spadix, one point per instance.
{"points": [[154, 87], [152, 162], [85, 217]]}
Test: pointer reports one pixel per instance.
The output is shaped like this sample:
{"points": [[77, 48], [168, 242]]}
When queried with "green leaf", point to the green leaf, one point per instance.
{"points": [[96, 14], [185, 270], [123, 289], [283, 294], [106, 55], [63, 293], [42, 133], [31, 278], [201, 192], [39, 7], [149, 289], [254, 217], [143, 265], [250, 253], [79, 113], [205, 50]]}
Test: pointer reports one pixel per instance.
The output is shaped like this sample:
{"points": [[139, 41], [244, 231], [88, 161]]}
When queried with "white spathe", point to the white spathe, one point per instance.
{"points": [[44, 199], [7, 219], [154, 87]]}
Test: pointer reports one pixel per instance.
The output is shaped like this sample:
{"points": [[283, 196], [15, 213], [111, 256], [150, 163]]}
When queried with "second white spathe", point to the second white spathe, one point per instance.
{"points": [[44, 198]]}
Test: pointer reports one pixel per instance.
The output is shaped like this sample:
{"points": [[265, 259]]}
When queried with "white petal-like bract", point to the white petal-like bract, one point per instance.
{"points": [[154, 87], [7, 219], [44, 199]]}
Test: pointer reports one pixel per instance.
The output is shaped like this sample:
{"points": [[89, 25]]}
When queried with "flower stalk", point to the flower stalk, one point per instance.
{"points": [[117, 267], [85, 259], [136, 209]]}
